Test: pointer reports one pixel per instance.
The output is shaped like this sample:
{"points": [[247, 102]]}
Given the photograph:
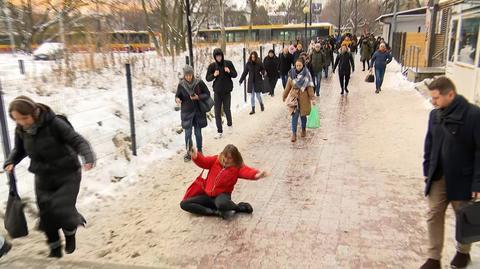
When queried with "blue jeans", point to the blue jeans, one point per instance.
{"points": [[325, 70], [295, 117], [198, 137], [317, 79], [379, 74], [284, 80], [259, 97]]}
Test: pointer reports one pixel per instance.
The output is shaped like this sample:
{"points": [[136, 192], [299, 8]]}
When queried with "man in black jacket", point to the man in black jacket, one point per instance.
{"points": [[451, 165], [286, 61], [345, 62], [221, 73]]}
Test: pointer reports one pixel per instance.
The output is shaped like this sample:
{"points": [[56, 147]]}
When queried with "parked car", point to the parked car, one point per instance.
{"points": [[49, 51]]}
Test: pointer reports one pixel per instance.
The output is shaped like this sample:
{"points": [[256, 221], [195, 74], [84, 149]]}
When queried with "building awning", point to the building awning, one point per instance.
{"points": [[415, 11]]}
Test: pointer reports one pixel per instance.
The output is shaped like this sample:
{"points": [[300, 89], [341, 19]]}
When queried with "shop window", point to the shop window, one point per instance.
{"points": [[453, 40], [467, 43]]}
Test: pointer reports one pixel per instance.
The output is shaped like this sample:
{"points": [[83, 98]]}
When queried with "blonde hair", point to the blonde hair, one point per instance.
{"points": [[234, 153]]}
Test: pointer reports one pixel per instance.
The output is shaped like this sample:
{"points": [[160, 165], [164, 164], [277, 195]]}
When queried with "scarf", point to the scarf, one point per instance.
{"points": [[301, 80], [455, 112], [190, 86]]}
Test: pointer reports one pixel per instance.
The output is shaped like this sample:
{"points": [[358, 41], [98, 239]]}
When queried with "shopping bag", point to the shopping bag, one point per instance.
{"points": [[196, 188], [468, 223], [313, 121], [15, 221], [266, 85], [370, 77]]}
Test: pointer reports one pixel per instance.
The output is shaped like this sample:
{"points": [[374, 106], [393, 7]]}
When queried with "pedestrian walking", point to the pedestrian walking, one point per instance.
{"points": [[53, 147], [318, 64], [190, 92], [366, 51], [298, 51], [255, 70], [299, 96], [286, 62], [221, 72], [380, 60], [451, 166], [272, 64], [345, 64], [327, 50], [212, 196]]}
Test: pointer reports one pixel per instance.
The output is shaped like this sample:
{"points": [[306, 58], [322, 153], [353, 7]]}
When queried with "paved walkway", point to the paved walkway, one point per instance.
{"points": [[350, 195]]}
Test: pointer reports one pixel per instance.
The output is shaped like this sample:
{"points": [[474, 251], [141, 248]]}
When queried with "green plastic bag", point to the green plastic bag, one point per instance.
{"points": [[313, 121]]}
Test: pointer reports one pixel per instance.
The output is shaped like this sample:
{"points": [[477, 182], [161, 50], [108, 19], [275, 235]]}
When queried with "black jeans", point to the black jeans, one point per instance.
{"points": [[224, 100], [273, 83], [368, 62], [344, 79], [207, 206]]}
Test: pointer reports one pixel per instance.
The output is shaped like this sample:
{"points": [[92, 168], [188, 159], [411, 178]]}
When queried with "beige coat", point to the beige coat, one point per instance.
{"points": [[304, 99]]}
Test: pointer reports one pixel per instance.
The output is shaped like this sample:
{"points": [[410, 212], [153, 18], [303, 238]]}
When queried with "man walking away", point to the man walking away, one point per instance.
{"points": [[318, 62], [345, 62], [221, 73], [451, 165], [286, 61], [380, 60], [271, 64]]}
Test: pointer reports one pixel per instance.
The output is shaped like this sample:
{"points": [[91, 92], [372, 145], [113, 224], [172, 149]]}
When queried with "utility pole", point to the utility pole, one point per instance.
{"points": [[189, 30], [8, 19], [310, 12], [340, 19], [394, 23], [222, 26]]}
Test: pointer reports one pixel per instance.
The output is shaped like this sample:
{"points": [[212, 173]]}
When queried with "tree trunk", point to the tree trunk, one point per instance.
{"points": [[149, 28]]}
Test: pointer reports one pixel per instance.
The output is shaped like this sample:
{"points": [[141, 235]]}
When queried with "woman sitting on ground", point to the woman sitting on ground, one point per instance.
{"points": [[212, 196]]}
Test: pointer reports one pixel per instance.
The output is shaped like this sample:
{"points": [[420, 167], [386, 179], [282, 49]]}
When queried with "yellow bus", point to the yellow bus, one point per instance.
{"points": [[135, 41], [267, 33]]}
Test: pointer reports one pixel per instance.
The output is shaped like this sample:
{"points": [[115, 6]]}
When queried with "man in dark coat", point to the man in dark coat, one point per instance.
{"points": [[53, 147], [286, 62], [190, 92], [328, 53], [221, 73], [451, 165], [318, 63], [345, 62], [297, 52], [271, 64], [255, 70]]}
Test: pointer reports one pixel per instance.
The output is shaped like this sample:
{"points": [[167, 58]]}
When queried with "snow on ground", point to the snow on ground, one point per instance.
{"points": [[96, 103]]}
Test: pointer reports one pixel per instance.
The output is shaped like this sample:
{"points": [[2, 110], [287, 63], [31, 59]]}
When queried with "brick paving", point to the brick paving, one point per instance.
{"points": [[350, 195]]}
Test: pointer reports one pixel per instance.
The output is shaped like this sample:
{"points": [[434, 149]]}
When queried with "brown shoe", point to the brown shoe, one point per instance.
{"points": [[304, 132], [460, 260], [294, 138], [431, 264]]}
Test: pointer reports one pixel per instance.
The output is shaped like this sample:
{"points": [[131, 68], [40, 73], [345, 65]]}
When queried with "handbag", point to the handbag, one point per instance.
{"points": [[196, 188], [467, 230], [266, 85], [15, 221], [292, 98], [370, 77], [206, 105]]}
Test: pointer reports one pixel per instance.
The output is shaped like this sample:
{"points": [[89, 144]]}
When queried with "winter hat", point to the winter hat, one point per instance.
{"points": [[187, 70], [272, 51], [217, 51]]}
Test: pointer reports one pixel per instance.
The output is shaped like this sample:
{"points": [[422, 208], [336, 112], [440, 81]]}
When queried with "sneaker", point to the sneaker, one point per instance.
{"points": [[460, 260], [5, 248], [187, 158], [377, 91], [218, 136], [431, 264]]}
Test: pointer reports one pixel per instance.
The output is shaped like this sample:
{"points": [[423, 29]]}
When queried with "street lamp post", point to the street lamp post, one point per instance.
{"points": [[306, 10]]}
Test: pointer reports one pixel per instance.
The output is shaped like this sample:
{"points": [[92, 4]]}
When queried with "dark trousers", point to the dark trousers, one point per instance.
{"points": [[207, 206], [284, 80], [222, 100], [344, 79], [198, 136], [368, 62], [273, 83]]}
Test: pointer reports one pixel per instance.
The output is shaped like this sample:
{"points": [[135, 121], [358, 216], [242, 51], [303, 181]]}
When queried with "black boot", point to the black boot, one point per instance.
{"points": [[245, 208], [346, 90], [341, 92], [262, 107], [55, 250], [253, 110], [70, 242], [460, 260], [431, 264], [5, 248]]}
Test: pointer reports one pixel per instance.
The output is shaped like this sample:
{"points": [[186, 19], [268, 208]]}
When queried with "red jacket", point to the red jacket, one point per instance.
{"points": [[219, 179]]}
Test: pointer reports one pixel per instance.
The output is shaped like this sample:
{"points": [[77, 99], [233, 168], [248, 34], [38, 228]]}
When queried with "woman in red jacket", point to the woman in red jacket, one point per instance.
{"points": [[212, 196]]}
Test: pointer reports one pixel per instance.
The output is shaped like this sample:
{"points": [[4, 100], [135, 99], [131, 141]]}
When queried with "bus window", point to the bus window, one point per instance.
{"points": [[239, 37]]}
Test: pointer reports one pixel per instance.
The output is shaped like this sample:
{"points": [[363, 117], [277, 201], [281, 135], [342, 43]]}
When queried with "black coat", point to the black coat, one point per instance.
{"points": [[255, 72], [452, 149], [296, 55], [222, 84], [286, 62], [53, 149], [271, 67], [345, 63], [190, 110]]}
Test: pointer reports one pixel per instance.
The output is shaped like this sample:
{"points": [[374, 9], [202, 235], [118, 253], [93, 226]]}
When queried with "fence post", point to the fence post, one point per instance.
{"points": [[283, 45], [5, 135], [244, 84], [418, 56], [131, 109], [274, 49], [261, 53], [187, 60], [22, 67]]}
